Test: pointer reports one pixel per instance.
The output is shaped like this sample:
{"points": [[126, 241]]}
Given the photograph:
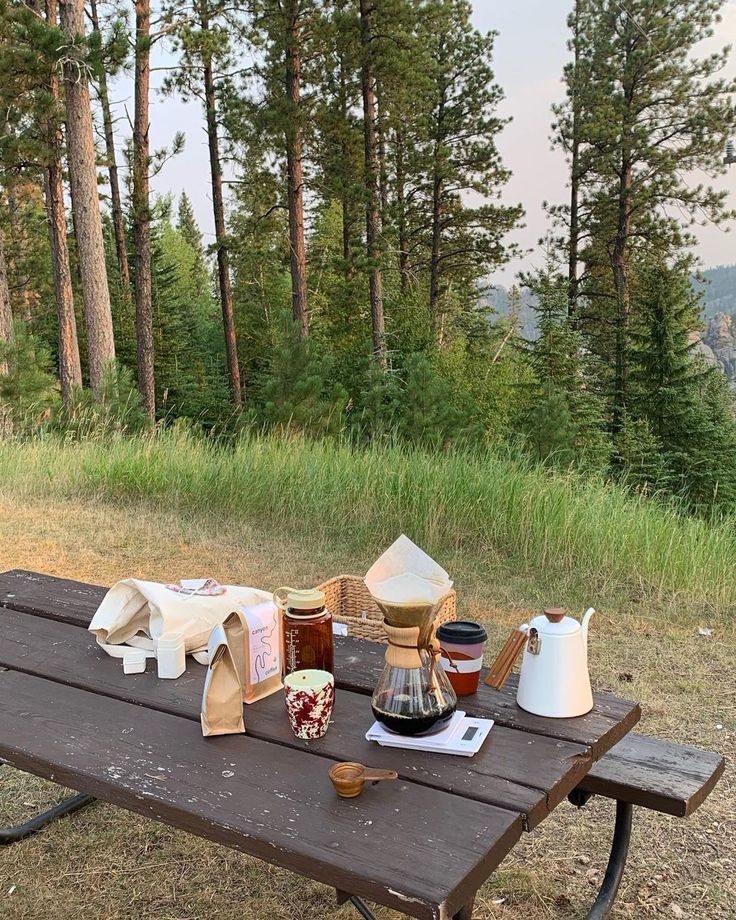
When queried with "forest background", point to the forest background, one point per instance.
{"points": [[360, 218]]}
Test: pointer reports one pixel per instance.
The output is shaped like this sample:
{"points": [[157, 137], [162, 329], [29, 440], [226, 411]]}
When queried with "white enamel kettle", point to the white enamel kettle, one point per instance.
{"points": [[554, 679]]}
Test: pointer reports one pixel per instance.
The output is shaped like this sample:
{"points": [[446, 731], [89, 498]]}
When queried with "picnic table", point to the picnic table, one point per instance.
{"points": [[422, 845]]}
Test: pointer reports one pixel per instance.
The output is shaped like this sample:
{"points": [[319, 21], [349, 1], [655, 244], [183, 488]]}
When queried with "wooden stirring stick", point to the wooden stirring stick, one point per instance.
{"points": [[503, 665]]}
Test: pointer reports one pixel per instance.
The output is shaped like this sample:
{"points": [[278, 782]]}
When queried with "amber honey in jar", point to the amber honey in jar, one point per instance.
{"points": [[307, 632]]}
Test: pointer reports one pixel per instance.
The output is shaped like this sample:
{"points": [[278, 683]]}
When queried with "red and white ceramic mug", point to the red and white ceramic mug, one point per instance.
{"points": [[310, 696]]}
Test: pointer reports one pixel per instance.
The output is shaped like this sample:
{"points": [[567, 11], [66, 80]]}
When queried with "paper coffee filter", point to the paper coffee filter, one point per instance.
{"points": [[404, 557], [408, 590], [407, 584]]}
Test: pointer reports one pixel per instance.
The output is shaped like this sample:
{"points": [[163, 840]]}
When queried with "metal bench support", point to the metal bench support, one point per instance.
{"points": [[74, 803], [619, 852], [616, 863]]}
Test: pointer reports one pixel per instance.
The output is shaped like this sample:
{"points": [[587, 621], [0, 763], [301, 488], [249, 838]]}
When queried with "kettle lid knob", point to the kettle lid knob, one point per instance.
{"points": [[555, 614]]}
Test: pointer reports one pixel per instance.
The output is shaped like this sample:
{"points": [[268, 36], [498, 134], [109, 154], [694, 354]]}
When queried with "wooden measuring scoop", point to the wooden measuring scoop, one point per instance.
{"points": [[348, 778]]}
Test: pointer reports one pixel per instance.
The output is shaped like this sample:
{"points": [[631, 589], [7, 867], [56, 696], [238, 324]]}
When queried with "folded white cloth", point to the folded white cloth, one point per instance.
{"points": [[135, 613]]}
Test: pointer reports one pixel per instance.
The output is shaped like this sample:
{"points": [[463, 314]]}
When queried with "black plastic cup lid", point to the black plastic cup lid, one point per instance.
{"points": [[462, 632]]}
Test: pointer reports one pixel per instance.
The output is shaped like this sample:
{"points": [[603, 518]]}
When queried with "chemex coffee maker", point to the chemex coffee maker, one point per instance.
{"points": [[413, 695]]}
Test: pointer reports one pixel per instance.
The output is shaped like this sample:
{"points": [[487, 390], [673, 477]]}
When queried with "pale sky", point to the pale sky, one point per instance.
{"points": [[530, 54]]}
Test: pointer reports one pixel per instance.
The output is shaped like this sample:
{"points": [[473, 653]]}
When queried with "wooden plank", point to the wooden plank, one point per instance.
{"points": [[357, 666], [527, 773], [417, 850], [47, 596], [671, 778]]}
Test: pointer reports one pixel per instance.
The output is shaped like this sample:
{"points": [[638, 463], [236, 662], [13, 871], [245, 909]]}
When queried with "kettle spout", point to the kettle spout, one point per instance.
{"points": [[586, 619]]}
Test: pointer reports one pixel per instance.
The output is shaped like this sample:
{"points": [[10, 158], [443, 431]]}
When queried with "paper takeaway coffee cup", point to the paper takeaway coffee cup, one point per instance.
{"points": [[461, 653]]}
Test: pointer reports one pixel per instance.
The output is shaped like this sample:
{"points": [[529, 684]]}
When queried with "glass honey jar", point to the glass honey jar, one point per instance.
{"points": [[307, 630]]}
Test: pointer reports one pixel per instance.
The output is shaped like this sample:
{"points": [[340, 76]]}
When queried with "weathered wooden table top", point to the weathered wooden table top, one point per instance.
{"points": [[422, 845]]}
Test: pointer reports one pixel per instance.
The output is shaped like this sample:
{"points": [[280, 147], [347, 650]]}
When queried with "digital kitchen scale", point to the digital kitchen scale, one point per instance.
{"points": [[464, 736]]}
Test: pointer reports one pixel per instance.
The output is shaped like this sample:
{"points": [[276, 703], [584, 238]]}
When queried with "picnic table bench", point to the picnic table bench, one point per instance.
{"points": [[422, 845]]}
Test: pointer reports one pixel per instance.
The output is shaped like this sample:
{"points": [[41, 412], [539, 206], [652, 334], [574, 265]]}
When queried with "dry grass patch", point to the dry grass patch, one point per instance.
{"points": [[106, 864]]}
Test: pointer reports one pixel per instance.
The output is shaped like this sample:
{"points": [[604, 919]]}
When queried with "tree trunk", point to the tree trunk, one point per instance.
{"points": [[218, 207], [382, 167], [572, 264], [436, 250], [6, 334], [295, 176], [118, 221], [347, 219], [436, 253], [19, 246], [620, 253], [6, 312], [70, 371], [401, 219], [619, 264], [142, 209], [85, 200], [373, 183]]}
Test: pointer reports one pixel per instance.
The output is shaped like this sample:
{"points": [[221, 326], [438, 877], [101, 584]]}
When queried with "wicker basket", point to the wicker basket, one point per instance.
{"points": [[350, 602]]}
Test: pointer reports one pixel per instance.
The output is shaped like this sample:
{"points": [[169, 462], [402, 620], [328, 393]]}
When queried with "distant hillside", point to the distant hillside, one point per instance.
{"points": [[719, 290], [717, 342], [497, 301]]}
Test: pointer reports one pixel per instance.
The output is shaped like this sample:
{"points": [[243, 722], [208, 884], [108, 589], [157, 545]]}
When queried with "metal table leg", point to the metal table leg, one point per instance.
{"points": [[74, 803], [616, 863], [611, 881], [367, 914]]}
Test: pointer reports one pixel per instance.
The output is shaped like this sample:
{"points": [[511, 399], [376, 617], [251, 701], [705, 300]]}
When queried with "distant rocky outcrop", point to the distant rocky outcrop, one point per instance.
{"points": [[717, 344]]}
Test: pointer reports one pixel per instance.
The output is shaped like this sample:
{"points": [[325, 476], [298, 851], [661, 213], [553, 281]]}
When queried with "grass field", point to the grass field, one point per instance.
{"points": [[272, 513]]}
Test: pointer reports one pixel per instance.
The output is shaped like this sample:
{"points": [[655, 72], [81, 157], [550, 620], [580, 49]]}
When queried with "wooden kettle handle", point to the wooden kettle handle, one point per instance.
{"points": [[502, 666]]}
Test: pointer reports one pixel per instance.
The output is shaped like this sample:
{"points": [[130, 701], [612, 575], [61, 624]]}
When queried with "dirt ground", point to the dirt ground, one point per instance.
{"points": [[107, 864]]}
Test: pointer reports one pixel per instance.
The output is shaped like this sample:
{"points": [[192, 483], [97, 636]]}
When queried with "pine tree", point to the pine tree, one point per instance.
{"points": [[682, 402], [297, 392], [372, 176], [205, 42], [338, 147], [465, 241], [567, 419], [647, 113], [190, 364], [27, 387], [428, 414], [186, 224], [567, 135], [109, 59], [31, 149]]}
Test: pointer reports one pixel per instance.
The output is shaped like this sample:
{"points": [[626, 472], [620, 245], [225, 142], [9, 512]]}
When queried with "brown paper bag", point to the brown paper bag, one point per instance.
{"points": [[235, 631], [222, 701]]}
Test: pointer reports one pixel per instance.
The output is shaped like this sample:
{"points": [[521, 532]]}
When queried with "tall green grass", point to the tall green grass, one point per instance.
{"points": [[528, 516]]}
